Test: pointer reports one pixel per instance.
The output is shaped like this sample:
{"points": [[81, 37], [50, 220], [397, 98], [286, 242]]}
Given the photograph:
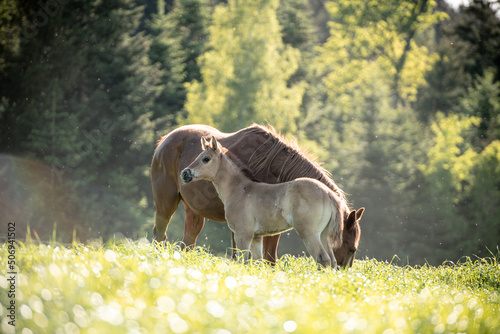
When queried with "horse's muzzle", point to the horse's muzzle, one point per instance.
{"points": [[186, 175]]}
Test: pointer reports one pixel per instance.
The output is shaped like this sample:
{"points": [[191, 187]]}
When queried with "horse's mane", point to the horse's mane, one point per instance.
{"points": [[298, 162], [242, 167]]}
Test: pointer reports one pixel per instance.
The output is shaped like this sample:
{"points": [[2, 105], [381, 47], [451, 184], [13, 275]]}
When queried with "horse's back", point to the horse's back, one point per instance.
{"points": [[175, 141]]}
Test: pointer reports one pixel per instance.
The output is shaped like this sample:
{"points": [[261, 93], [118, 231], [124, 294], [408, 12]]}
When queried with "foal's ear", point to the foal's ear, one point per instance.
{"points": [[204, 143], [215, 144]]}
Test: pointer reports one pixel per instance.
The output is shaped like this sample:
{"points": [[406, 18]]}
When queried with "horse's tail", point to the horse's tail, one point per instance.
{"points": [[335, 224]]}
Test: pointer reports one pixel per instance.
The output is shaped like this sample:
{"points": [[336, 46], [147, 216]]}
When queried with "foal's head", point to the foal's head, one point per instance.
{"points": [[350, 239], [206, 165]]}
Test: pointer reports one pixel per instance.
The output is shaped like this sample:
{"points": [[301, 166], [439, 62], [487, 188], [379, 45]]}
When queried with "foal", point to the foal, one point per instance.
{"points": [[256, 209]]}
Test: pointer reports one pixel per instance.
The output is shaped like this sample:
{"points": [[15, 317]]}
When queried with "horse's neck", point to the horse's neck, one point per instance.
{"points": [[228, 179]]}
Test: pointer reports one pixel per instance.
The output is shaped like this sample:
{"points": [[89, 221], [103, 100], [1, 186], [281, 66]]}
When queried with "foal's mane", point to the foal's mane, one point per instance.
{"points": [[297, 164]]}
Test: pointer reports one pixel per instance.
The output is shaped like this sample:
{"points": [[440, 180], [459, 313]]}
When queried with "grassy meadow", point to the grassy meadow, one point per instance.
{"points": [[134, 287]]}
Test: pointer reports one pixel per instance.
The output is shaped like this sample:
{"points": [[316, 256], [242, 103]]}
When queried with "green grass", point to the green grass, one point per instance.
{"points": [[137, 288]]}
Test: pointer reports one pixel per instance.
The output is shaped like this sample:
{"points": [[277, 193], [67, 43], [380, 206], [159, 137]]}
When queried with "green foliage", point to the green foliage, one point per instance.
{"points": [[378, 36], [483, 101], [463, 187], [79, 101], [365, 65], [448, 171], [445, 85], [468, 47], [9, 32], [297, 27], [477, 34], [371, 68], [136, 287], [245, 73], [451, 157], [462, 183], [180, 37], [481, 201]]}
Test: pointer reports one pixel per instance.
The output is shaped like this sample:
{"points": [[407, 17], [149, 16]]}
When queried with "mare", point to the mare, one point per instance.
{"points": [[255, 209], [269, 157]]}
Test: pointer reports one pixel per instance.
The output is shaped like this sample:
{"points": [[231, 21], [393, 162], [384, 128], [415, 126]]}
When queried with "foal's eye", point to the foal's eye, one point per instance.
{"points": [[352, 251], [205, 160]]}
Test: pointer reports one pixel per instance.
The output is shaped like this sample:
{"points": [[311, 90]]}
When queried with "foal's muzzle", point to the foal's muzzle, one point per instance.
{"points": [[187, 175]]}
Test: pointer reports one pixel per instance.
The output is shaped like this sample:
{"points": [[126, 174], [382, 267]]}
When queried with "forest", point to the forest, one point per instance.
{"points": [[398, 99]]}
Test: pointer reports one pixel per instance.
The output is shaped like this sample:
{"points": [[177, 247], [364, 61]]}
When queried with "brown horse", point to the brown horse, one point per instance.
{"points": [[254, 209], [269, 157]]}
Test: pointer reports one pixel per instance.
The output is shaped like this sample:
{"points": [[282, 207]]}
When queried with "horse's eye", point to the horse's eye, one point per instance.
{"points": [[205, 160], [352, 251]]}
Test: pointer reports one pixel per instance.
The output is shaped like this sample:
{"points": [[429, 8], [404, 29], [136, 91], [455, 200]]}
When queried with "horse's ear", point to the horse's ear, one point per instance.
{"points": [[215, 144], [351, 219], [359, 213]]}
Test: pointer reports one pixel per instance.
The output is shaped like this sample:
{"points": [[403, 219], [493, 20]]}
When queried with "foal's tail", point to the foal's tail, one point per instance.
{"points": [[335, 224]]}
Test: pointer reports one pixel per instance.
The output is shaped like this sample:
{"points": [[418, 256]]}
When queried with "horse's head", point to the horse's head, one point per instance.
{"points": [[350, 239], [205, 166]]}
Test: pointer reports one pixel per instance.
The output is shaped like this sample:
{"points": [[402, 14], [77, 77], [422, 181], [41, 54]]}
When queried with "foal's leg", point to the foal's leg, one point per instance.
{"points": [[316, 250], [193, 225], [243, 242], [256, 248], [325, 241]]}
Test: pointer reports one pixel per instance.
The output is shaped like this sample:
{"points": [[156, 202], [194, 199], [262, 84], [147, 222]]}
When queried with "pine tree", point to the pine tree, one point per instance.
{"points": [[297, 26], [468, 46], [180, 37], [83, 89], [481, 204], [476, 32], [483, 101]]}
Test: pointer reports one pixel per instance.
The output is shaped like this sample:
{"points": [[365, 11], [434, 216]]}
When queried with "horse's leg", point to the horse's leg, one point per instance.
{"points": [[256, 248], [167, 201], [270, 244], [192, 227], [235, 249]]}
